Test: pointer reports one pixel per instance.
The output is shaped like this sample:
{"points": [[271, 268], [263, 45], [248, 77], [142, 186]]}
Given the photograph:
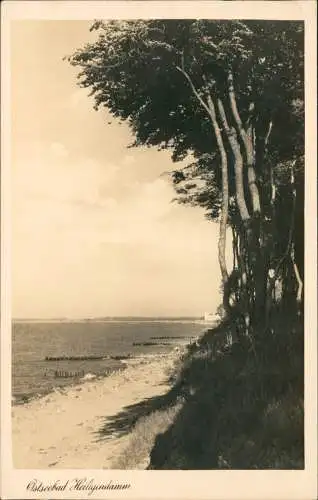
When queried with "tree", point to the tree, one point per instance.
{"points": [[229, 93]]}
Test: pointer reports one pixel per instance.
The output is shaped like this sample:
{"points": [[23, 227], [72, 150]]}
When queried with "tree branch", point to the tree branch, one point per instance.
{"points": [[270, 126], [194, 90], [251, 112], [298, 278]]}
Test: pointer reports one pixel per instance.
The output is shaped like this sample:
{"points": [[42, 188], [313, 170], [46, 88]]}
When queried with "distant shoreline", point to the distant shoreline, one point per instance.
{"points": [[117, 320]]}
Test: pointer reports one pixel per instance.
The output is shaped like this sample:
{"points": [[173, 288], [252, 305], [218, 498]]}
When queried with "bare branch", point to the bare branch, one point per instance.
{"points": [[270, 126], [194, 90], [298, 278], [251, 112]]}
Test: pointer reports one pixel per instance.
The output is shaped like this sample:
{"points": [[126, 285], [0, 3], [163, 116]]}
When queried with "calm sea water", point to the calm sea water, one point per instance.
{"points": [[32, 342]]}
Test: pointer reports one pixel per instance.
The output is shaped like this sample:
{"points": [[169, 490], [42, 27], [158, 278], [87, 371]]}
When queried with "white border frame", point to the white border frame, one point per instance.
{"points": [[236, 485]]}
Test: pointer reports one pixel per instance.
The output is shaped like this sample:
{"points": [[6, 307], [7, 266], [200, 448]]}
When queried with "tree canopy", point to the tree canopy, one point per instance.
{"points": [[134, 68], [230, 94]]}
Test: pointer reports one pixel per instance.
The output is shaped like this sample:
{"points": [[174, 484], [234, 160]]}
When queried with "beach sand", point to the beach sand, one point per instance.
{"points": [[63, 429]]}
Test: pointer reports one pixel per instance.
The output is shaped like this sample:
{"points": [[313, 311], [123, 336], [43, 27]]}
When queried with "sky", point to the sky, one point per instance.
{"points": [[94, 229]]}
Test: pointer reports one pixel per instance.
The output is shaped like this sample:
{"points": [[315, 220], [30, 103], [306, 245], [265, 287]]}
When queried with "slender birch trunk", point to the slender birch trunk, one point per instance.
{"points": [[210, 109], [238, 165], [247, 139], [245, 231], [225, 192]]}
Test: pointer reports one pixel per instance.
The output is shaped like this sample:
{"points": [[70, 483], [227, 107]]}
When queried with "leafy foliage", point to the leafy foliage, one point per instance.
{"points": [[164, 76], [132, 70]]}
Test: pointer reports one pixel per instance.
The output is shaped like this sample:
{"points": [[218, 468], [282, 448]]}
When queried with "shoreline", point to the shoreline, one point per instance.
{"points": [[66, 428], [27, 398], [24, 399]]}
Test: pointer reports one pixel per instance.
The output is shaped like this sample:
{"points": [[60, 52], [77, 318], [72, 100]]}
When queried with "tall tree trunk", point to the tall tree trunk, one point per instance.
{"points": [[210, 109], [287, 266], [225, 191], [292, 250], [247, 139], [238, 164], [245, 230]]}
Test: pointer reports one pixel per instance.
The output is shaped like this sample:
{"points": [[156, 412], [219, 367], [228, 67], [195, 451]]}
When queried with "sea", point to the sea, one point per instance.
{"points": [[85, 349]]}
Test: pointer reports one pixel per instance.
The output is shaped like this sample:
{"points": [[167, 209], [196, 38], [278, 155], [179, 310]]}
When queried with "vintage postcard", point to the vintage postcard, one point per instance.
{"points": [[158, 250]]}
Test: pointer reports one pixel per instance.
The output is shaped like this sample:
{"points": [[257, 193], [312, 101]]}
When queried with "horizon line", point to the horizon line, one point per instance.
{"points": [[108, 317]]}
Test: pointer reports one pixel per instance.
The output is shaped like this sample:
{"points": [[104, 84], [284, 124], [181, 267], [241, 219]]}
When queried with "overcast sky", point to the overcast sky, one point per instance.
{"points": [[94, 230]]}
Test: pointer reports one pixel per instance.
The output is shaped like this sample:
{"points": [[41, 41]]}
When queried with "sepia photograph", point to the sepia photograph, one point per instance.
{"points": [[158, 263]]}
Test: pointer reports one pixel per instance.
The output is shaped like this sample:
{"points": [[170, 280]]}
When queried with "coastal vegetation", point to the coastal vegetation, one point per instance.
{"points": [[227, 99]]}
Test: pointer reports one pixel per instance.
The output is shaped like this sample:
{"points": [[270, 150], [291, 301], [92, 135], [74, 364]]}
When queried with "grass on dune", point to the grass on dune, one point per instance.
{"points": [[230, 407], [143, 437]]}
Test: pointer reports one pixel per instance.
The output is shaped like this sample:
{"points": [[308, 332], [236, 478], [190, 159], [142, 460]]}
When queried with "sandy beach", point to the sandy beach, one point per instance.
{"points": [[67, 428]]}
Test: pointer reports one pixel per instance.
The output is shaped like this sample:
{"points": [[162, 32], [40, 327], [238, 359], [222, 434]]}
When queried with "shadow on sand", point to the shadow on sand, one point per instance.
{"points": [[123, 422]]}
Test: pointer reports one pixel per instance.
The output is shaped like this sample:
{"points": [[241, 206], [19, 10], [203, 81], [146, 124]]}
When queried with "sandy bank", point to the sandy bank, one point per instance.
{"points": [[65, 429]]}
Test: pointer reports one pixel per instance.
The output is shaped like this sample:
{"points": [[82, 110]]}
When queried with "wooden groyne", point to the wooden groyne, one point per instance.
{"points": [[88, 358], [120, 357], [82, 374], [146, 344], [180, 337], [67, 374], [74, 358]]}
